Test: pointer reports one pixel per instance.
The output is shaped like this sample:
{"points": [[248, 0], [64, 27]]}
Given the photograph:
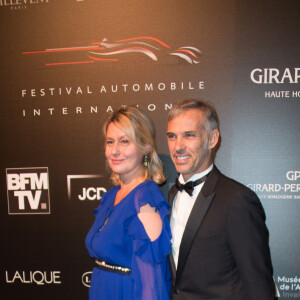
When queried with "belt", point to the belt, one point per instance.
{"points": [[101, 264]]}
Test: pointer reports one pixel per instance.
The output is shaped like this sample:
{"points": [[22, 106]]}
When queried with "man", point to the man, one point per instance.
{"points": [[220, 240]]}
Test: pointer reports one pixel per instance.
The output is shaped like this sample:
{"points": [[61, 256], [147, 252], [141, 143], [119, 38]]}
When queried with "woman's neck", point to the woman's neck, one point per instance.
{"points": [[127, 187]]}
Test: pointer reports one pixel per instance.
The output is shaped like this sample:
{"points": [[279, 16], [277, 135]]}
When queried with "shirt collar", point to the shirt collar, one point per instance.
{"points": [[196, 176]]}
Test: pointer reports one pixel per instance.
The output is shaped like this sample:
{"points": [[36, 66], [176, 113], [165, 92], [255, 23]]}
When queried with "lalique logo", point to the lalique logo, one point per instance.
{"points": [[33, 277], [138, 49]]}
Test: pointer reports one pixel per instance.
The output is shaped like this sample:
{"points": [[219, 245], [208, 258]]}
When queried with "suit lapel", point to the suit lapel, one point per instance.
{"points": [[171, 197], [195, 219]]}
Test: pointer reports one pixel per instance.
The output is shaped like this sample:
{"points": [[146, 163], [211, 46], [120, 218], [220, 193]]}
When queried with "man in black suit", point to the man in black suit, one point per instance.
{"points": [[220, 240]]}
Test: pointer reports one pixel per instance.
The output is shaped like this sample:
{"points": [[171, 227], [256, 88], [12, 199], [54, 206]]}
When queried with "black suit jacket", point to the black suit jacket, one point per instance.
{"points": [[224, 251]]}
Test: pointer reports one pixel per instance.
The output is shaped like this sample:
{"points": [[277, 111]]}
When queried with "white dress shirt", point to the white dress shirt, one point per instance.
{"points": [[181, 209]]}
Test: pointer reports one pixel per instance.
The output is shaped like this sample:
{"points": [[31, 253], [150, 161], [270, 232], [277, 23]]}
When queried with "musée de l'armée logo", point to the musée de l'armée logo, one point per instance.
{"points": [[287, 286], [28, 191], [131, 50]]}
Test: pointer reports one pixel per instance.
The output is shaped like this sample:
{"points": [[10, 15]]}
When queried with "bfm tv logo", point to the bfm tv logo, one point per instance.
{"points": [[28, 191]]}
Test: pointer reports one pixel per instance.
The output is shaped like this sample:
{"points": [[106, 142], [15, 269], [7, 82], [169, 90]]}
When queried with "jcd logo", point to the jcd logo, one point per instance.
{"points": [[28, 191], [85, 187], [92, 193]]}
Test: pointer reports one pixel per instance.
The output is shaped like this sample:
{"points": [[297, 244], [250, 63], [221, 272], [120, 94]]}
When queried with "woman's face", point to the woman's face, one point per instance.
{"points": [[123, 157]]}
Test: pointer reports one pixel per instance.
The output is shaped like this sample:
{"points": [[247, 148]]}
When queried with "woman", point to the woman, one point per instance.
{"points": [[130, 238]]}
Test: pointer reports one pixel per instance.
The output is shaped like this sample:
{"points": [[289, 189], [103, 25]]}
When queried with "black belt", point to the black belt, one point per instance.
{"points": [[101, 264]]}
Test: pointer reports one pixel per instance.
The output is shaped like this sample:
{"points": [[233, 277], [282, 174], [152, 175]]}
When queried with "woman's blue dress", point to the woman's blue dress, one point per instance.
{"points": [[118, 237]]}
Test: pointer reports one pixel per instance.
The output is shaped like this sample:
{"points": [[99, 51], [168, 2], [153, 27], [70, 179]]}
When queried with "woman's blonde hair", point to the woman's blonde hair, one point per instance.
{"points": [[141, 131]]}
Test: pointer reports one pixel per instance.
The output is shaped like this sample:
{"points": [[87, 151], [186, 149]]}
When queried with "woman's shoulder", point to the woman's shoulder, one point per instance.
{"points": [[148, 192], [149, 186]]}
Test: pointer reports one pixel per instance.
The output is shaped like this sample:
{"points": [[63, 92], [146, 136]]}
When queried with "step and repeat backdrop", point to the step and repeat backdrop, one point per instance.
{"points": [[67, 64]]}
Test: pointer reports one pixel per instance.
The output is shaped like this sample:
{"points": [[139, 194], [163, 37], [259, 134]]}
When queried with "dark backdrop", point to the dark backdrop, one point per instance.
{"points": [[60, 77]]}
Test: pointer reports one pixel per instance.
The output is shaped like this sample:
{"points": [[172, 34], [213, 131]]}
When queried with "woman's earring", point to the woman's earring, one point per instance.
{"points": [[145, 162]]}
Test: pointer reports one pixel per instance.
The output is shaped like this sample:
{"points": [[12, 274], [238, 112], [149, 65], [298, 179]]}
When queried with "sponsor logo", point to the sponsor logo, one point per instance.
{"points": [[79, 110], [90, 91], [34, 277], [131, 50], [86, 279], [287, 190], [277, 77], [92, 193], [28, 191], [111, 88], [273, 75], [20, 4], [81, 187], [293, 175], [287, 287]]}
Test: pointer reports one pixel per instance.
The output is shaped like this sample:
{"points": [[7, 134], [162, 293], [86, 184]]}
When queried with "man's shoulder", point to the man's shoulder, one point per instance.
{"points": [[230, 184]]}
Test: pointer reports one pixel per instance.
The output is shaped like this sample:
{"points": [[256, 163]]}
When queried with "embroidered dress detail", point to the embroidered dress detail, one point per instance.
{"points": [[110, 267]]}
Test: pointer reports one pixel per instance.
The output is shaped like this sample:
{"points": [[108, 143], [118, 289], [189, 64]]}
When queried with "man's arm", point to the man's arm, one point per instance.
{"points": [[248, 239]]}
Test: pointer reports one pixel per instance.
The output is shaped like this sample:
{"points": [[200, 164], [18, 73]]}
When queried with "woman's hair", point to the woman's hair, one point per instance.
{"points": [[141, 131]]}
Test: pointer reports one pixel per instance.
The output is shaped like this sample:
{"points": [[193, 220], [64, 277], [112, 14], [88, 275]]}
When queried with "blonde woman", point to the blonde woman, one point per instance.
{"points": [[130, 238]]}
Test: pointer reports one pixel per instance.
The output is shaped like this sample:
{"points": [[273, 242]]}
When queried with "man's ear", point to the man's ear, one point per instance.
{"points": [[213, 138]]}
